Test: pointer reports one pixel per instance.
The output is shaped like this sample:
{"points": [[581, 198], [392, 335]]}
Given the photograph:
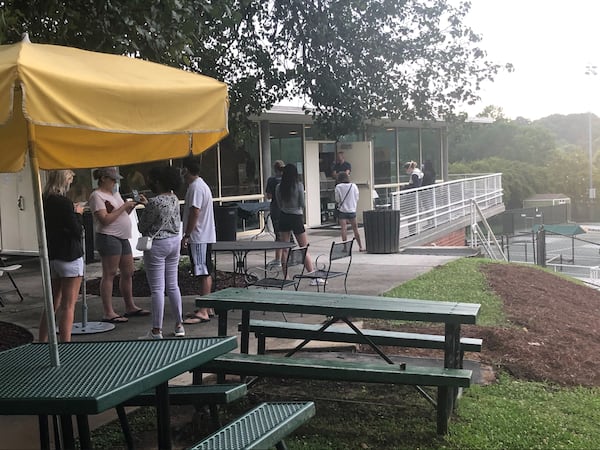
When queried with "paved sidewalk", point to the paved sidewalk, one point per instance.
{"points": [[370, 274]]}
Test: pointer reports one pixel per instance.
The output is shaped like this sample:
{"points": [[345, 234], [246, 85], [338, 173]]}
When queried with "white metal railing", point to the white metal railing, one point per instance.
{"points": [[486, 239], [430, 207]]}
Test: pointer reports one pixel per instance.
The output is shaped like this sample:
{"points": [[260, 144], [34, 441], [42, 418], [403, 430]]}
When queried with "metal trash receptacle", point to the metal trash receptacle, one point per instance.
{"points": [[226, 222], [382, 230]]}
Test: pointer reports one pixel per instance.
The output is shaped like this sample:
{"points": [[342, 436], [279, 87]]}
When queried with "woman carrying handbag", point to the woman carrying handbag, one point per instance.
{"points": [[161, 220], [346, 196]]}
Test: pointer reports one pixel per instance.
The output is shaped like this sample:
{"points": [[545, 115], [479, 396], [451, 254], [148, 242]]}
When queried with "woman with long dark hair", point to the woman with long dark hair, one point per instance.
{"points": [[161, 220], [290, 198]]}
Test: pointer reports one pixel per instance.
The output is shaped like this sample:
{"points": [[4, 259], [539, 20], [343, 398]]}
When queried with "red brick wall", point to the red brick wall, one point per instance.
{"points": [[454, 239]]}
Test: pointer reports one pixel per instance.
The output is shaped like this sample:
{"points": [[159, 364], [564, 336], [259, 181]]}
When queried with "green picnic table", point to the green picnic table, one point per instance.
{"points": [[96, 376], [347, 307]]}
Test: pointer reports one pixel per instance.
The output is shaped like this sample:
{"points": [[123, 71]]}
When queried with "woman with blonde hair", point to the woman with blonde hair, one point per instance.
{"points": [[65, 251]]}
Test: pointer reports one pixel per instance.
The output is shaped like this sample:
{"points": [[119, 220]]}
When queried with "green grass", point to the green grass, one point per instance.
{"points": [[509, 414], [460, 279]]}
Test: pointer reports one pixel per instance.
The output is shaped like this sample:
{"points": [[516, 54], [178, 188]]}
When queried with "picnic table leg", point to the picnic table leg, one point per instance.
{"points": [[162, 416], [452, 357], [222, 325], [443, 409], [83, 428], [66, 428], [245, 333], [44, 433]]}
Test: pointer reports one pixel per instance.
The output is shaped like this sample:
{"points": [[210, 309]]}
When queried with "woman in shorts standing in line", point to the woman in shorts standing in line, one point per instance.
{"points": [[290, 198], [65, 251], [113, 231]]}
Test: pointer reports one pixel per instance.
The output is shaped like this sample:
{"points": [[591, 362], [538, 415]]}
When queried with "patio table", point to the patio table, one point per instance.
{"points": [[96, 376], [240, 250]]}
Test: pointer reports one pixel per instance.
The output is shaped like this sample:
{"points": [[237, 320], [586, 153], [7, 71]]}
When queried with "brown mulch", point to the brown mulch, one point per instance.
{"points": [[554, 333], [12, 335]]}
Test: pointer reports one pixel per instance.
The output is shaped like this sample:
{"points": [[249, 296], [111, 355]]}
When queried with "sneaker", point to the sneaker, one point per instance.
{"points": [[274, 263], [318, 282], [179, 331], [151, 335]]}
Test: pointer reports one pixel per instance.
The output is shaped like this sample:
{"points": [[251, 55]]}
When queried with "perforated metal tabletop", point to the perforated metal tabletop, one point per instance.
{"points": [[95, 376]]}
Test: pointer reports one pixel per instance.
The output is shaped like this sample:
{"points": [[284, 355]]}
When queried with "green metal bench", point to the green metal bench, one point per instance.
{"points": [[211, 395], [291, 330], [200, 394], [263, 427], [446, 380]]}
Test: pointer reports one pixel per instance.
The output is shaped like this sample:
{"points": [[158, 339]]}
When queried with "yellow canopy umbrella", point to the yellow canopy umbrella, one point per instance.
{"points": [[71, 108]]}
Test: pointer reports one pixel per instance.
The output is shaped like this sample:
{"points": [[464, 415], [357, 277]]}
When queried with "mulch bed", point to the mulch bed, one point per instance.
{"points": [[12, 335], [554, 333]]}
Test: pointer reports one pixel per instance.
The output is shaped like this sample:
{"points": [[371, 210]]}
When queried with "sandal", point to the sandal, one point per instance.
{"points": [[137, 313], [116, 319], [195, 319]]}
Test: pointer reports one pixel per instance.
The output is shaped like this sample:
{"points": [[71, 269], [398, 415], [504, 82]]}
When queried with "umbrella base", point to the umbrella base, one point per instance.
{"points": [[91, 327]]}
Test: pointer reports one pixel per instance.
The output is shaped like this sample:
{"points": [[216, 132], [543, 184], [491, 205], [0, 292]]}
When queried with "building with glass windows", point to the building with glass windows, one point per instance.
{"points": [[237, 173]]}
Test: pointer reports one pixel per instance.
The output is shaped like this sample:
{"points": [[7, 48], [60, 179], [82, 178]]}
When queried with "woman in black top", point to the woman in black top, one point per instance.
{"points": [[65, 251]]}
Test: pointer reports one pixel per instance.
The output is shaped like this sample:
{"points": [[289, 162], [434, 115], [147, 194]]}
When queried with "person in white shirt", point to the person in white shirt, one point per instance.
{"points": [[346, 197], [198, 232]]}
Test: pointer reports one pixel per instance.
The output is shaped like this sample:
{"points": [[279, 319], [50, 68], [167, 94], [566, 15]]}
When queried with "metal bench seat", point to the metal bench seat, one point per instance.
{"points": [[263, 427]]}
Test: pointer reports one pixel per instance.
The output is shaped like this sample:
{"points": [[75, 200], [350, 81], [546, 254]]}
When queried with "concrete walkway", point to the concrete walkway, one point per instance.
{"points": [[370, 274]]}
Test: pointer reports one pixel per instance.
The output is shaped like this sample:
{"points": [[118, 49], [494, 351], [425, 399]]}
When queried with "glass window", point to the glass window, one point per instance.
{"points": [[286, 144], [385, 161], [408, 148], [431, 148], [240, 167]]}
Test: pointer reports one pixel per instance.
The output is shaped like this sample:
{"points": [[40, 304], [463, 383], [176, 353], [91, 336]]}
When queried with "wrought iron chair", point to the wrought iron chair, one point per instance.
{"points": [[338, 265], [8, 270]]}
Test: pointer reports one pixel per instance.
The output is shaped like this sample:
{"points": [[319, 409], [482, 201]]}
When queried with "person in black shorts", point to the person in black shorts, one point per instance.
{"points": [[274, 212], [290, 198]]}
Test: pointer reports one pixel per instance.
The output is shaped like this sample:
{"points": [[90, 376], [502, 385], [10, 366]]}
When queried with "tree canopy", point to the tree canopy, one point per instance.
{"points": [[349, 60]]}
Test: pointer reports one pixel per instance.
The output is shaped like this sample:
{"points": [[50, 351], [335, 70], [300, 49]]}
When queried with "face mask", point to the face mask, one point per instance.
{"points": [[115, 188]]}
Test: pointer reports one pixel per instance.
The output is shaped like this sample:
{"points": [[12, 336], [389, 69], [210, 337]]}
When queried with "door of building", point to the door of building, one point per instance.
{"points": [[18, 232]]}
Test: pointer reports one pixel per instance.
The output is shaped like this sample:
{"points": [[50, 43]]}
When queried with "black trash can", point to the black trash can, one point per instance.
{"points": [[382, 230], [226, 222]]}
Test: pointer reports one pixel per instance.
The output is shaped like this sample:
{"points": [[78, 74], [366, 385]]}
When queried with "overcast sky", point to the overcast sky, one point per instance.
{"points": [[549, 42]]}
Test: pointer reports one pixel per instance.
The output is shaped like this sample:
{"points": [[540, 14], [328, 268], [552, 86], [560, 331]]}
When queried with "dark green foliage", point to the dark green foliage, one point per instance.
{"points": [[353, 60]]}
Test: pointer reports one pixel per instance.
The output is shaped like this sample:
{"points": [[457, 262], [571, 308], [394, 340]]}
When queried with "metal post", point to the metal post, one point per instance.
{"points": [[590, 69]]}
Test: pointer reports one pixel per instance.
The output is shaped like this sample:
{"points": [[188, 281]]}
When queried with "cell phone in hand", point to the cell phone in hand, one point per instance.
{"points": [[136, 196]]}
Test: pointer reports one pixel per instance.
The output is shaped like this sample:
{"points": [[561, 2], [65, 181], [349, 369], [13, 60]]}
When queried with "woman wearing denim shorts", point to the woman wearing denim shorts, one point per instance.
{"points": [[113, 231]]}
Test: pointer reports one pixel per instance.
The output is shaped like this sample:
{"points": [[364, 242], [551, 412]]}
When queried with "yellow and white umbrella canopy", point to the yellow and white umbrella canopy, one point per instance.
{"points": [[86, 109], [70, 108]]}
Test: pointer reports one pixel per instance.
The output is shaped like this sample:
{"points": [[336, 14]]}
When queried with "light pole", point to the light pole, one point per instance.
{"points": [[590, 70]]}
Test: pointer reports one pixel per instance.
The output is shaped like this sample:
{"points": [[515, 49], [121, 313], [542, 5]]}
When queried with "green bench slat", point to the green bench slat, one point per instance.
{"points": [[337, 370], [293, 330], [261, 428], [190, 394]]}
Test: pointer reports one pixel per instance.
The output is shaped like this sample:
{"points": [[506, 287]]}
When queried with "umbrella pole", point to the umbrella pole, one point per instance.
{"points": [[85, 327], [43, 248]]}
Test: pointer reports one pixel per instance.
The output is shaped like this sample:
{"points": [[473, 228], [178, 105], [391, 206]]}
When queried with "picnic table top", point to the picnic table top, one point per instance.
{"points": [[95, 376], [341, 305]]}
